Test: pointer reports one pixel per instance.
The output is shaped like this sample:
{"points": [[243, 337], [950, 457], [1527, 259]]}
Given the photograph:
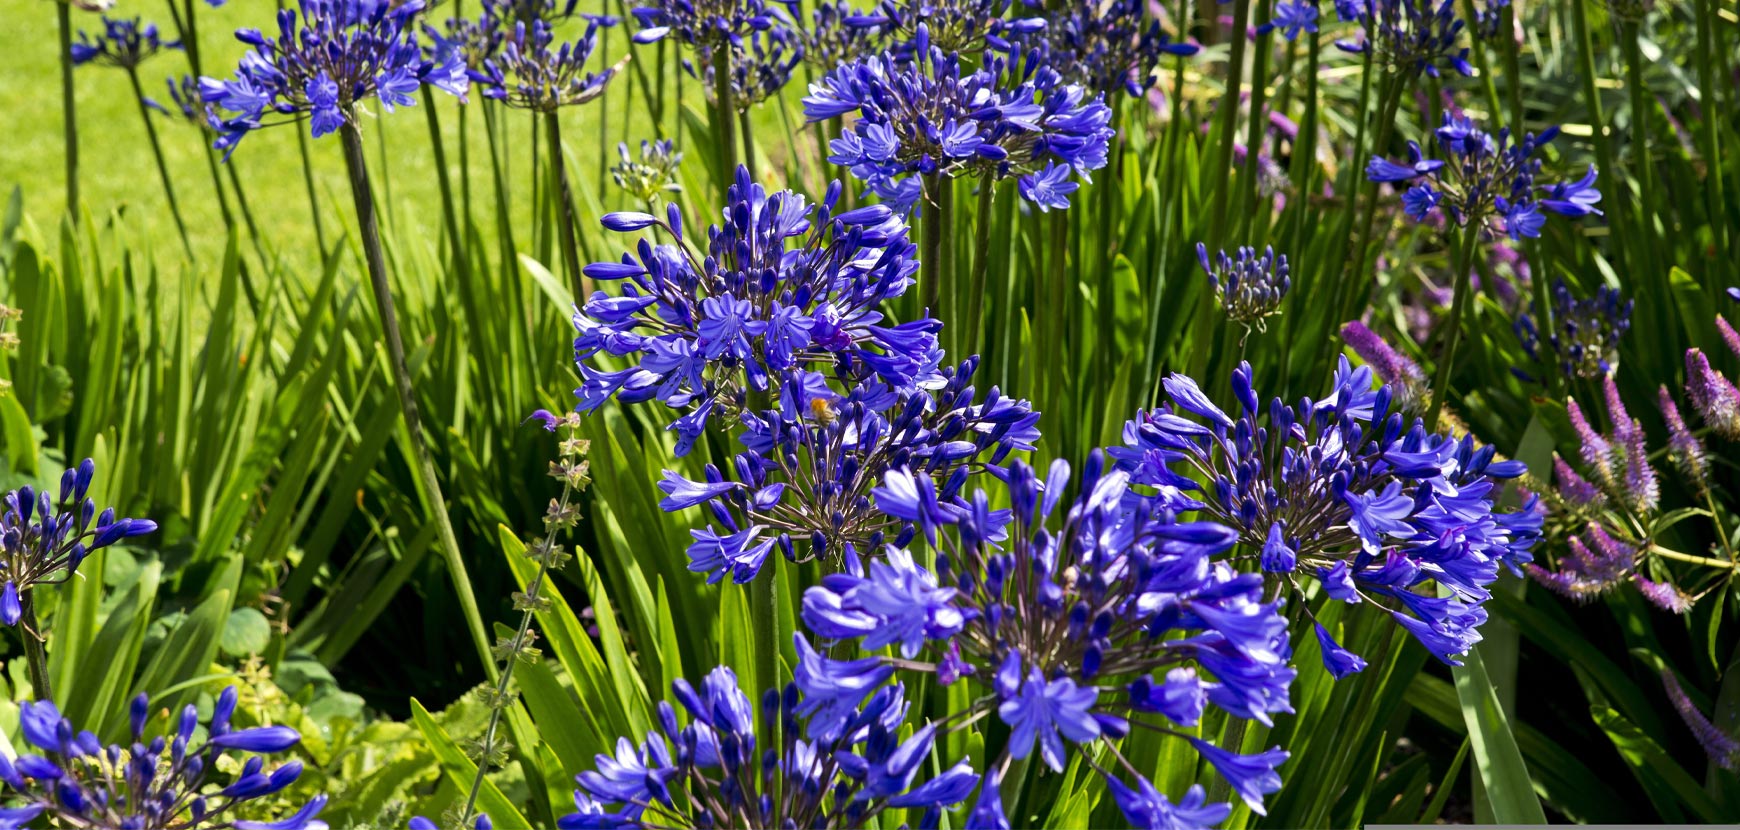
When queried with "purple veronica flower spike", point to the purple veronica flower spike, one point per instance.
{"points": [[530, 73], [1350, 485], [42, 541], [1069, 632], [1410, 36], [713, 773], [124, 43], [1585, 338], [158, 783], [326, 60], [1485, 181], [1407, 383], [1014, 117]]}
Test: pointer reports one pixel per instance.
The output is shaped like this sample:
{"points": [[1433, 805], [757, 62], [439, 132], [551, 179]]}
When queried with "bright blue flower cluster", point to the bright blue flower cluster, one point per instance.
{"points": [[705, 22], [955, 26], [1249, 288], [1120, 616], [710, 328], [834, 767], [1014, 116], [1410, 36], [839, 35], [1104, 47], [42, 542], [158, 784], [1585, 338], [184, 95], [326, 59], [813, 462], [124, 43], [761, 64], [1344, 491], [1292, 17], [529, 72], [1479, 177]]}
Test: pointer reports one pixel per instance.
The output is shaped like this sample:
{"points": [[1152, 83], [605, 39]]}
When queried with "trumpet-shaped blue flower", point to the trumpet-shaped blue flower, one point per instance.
{"points": [[704, 22], [1410, 36], [157, 784], [124, 43], [43, 540], [955, 26], [530, 72], [1103, 47], [712, 773], [1374, 508], [761, 64], [326, 59]]}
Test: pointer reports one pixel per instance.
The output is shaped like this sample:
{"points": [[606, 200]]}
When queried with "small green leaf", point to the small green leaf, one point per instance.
{"points": [[246, 632]]}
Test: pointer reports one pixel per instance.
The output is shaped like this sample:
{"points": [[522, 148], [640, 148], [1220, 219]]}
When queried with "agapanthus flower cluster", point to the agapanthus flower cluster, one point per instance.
{"points": [[1409, 390], [327, 60], [1249, 288], [653, 173], [1292, 17], [1104, 46], [761, 64], [1584, 341], [1714, 396], [530, 72], [705, 22], [156, 784], [1480, 177], [835, 765], [511, 12], [185, 99], [42, 541], [1410, 36], [1343, 490], [1489, 19], [1014, 116], [838, 35], [782, 285], [955, 26], [467, 40], [124, 43], [813, 483], [1116, 617]]}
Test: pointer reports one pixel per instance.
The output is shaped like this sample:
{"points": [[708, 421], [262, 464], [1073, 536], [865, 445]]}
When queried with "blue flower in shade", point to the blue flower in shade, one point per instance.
{"points": [[43, 540], [1072, 629], [703, 22], [71, 776], [842, 475], [838, 34], [929, 115], [713, 772], [898, 603], [1369, 505], [1252, 776], [1146, 807], [1292, 17], [124, 43], [1584, 341], [1103, 47], [1410, 36], [530, 72], [1485, 181], [329, 58], [781, 285], [1249, 288], [1338, 660]]}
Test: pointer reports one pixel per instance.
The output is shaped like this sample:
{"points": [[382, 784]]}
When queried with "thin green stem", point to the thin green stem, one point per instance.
{"points": [[68, 109], [35, 657], [162, 168], [1641, 164], [1616, 206], [1457, 322], [1390, 99], [421, 466], [981, 262], [1225, 128], [748, 144], [930, 256], [724, 124], [565, 219], [1709, 132]]}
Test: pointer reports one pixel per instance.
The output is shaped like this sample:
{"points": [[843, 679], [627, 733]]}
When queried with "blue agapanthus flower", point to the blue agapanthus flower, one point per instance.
{"points": [[781, 285], [43, 541], [839, 34], [185, 99], [326, 60], [1249, 288], [530, 72], [761, 64], [1292, 17], [1479, 179], [1585, 338], [1345, 491], [1117, 616], [164, 782], [955, 26], [124, 43], [1014, 116], [713, 772], [706, 22], [1410, 36], [806, 487], [1103, 47]]}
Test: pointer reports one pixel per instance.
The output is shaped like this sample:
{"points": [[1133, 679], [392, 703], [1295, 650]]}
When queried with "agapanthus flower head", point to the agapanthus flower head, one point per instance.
{"points": [[1103, 46], [125, 43], [653, 173], [1484, 181], [1073, 621], [761, 64], [43, 539], [1714, 397], [1409, 390], [780, 285], [1292, 17], [705, 22], [1014, 116], [839, 34], [1684, 448], [1343, 490], [157, 783], [835, 476], [1410, 36], [1585, 338], [1722, 748], [1489, 19], [712, 772], [511, 12], [1248, 287], [329, 58], [471, 41], [184, 102], [955, 26], [531, 72], [1594, 564]]}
